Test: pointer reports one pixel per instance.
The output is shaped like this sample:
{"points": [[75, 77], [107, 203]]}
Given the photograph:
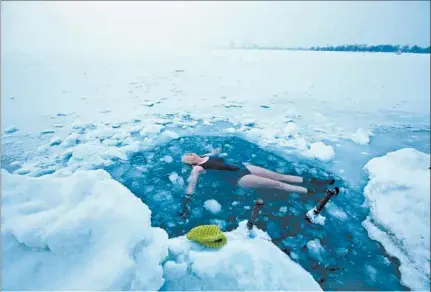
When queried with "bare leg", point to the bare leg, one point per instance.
{"points": [[254, 181], [259, 171]]}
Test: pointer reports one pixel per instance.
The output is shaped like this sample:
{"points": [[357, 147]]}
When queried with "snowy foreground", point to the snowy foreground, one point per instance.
{"points": [[68, 224], [89, 227], [247, 262]]}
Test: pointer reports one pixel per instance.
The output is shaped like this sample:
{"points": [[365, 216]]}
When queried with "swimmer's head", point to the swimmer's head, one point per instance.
{"points": [[190, 158]]}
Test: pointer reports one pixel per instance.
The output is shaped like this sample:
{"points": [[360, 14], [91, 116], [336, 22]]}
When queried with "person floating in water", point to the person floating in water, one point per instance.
{"points": [[248, 175]]}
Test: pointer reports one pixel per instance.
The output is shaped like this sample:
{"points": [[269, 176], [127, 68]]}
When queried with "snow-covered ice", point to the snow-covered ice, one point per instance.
{"points": [[309, 121], [398, 194], [77, 233], [244, 263]]}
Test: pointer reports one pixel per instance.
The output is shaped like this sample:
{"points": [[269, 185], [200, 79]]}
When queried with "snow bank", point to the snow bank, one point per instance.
{"points": [[321, 151], [83, 232], [213, 206], [398, 195], [244, 263]]}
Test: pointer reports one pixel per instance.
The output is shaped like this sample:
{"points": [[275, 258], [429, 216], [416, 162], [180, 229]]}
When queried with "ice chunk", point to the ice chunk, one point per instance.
{"points": [[55, 141], [361, 136], [11, 130], [91, 156], [170, 134], [315, 249], [47, 131], [213, 206], [291, 129], [283, 209], [134, 147], [176, 179], [230, 267], [235, 203], [293, 256], [371, 272], [103, 133], [77, 233], [229, 130], [167, 159], [333, 210], [71, 140], [249, 122], [398, 194], [321, 151], [341, 251], [162, 196], [151, 129]]}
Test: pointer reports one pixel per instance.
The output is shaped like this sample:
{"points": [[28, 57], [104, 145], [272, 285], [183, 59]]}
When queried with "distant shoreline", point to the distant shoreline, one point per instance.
{"points": [[398, 49]]}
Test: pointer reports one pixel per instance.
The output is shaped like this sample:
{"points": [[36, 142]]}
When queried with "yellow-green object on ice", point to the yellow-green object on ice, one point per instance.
{"points": [[207, 235]]}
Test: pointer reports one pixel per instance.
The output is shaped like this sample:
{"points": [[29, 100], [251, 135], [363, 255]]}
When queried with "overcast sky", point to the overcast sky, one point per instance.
{"points": [[112, 25]]}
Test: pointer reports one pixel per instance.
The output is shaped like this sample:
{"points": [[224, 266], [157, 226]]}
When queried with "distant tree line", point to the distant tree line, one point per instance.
{"points": [[344, 48], [376, 48]]}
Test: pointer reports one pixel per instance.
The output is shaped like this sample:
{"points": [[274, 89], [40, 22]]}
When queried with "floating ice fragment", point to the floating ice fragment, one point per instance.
{"points": [[213, 206]]}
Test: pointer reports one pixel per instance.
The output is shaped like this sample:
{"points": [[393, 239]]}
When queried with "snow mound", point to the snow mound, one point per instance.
{"points": [[398, 195], [361, 136], [244, 263], [82, 232], [213, 206], [321, 151]]}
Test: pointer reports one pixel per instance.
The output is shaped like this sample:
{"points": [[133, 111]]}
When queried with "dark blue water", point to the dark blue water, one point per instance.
{"points": [[348, 260]]}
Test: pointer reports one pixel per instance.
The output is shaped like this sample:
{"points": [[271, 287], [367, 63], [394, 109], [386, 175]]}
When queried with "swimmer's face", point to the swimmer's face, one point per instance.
{"points": [[189, 158]]}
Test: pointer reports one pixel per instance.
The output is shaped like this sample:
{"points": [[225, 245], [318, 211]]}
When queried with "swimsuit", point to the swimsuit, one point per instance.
{"points": [[235, 172]]}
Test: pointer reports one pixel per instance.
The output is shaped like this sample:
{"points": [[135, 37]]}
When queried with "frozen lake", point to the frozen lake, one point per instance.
{"points": [[134, 116]]}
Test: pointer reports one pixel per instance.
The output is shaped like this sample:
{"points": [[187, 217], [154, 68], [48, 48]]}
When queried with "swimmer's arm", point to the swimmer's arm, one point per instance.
{"points": [[214, 152], [193, 179]]}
